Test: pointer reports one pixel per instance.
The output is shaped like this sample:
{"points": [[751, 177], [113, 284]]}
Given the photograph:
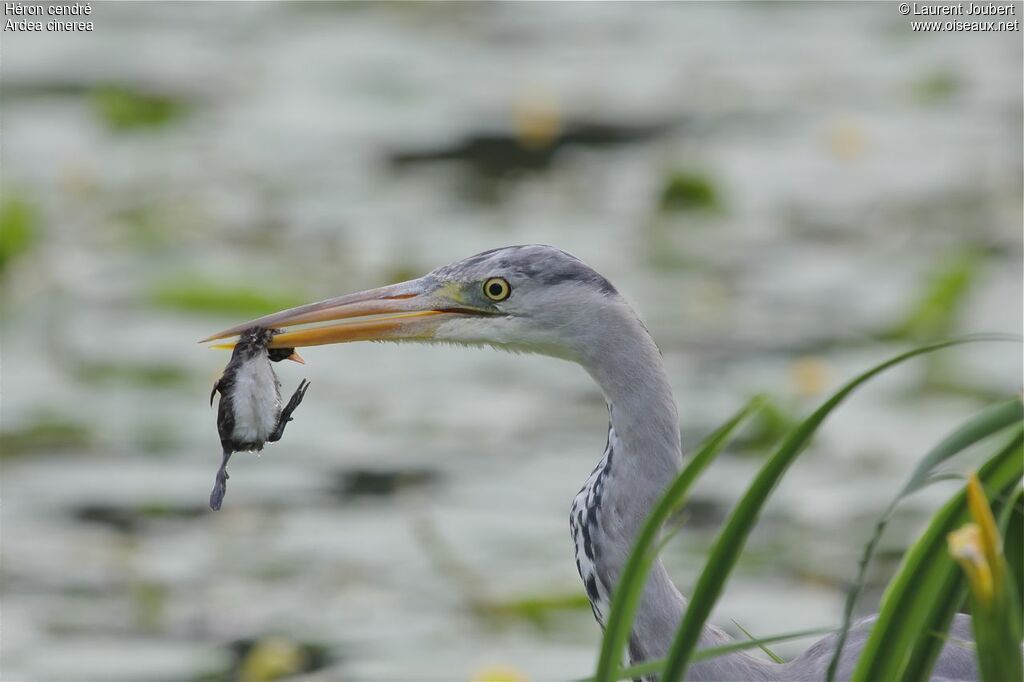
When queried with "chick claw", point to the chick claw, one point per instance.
{"points": [[286, 413]]}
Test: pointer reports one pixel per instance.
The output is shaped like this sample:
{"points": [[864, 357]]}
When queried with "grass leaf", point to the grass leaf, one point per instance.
{"points": [[725, 649], [1013, 536], [654, 667], [923, 596], [995, 615], [763, 647], [942, 298], [983, 425], [732, 539], [944, 604]]}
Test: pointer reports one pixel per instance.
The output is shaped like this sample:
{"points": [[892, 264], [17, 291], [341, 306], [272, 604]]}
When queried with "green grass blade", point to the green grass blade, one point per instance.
{"points": [[771, 654], [917, 603], [731, 540], [670, 531], [725, 649], [999, 656], [1013, 539], [995, 614], [630, 586], [654, 667], [949, 598], [983, 425]]}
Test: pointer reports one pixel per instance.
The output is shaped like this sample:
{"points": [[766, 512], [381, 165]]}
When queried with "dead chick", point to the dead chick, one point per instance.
{"points": [[249, 413]]}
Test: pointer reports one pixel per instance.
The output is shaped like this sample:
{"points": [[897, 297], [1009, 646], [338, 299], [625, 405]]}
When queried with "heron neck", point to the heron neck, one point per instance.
{"points": [[643, 457], [630, 371], [644, 425]]}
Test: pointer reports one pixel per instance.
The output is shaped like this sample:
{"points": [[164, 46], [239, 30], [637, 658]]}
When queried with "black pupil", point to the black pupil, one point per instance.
{"points": [[496, 289]]}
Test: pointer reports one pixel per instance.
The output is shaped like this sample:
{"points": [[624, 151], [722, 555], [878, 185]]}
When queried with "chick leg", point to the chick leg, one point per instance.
{"points": [[220, 485], [286, 413]]}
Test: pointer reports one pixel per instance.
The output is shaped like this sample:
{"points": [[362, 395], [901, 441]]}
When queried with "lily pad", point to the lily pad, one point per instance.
{"points": [[19, 229], [129, 519], [537, 609], [689, 191], [937, 86], [381, 483], [202, 296], [45, 433], [126, 108], [155, 375]]}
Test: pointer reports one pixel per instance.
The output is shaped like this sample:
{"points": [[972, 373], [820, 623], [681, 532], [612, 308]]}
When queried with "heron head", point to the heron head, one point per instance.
{"points": [[535, 299]]}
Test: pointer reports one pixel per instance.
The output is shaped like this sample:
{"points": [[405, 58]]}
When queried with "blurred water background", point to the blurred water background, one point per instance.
{"points": [[787, 192]]}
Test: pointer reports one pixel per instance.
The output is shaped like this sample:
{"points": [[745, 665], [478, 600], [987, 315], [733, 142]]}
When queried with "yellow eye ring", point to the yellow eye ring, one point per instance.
{"points": [[497, 289]]}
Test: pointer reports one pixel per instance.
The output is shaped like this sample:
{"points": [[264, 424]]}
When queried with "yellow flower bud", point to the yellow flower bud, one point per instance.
{"points": [[966, 546]]}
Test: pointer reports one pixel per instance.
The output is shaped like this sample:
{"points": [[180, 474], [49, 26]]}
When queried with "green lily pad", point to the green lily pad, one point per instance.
{"points": [[19, 229], [126, 108], [689, 191], [198, 296]]}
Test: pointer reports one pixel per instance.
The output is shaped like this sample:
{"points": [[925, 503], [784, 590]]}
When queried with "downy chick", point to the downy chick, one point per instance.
{"points": [[249, 413]]}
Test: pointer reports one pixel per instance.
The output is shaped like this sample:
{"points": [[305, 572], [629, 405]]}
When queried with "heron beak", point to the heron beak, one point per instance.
{"points": [[410, 310]]}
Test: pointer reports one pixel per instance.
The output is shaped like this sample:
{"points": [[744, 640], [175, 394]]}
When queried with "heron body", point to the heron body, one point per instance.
{"points": [[539, 299]]}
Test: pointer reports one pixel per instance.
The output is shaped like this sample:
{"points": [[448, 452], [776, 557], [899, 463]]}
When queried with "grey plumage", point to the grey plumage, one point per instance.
{"points": [[249, 413], [544, 265]]}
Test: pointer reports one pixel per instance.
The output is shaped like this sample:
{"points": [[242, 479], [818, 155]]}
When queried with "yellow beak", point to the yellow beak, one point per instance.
{"points": [[409, 310]]}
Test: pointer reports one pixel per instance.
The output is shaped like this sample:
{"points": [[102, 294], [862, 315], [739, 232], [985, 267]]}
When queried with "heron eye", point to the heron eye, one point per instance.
{"points": [[497, 289]]}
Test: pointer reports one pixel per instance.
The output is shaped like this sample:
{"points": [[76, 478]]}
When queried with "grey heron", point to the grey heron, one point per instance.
{"points": [[539, 299]]}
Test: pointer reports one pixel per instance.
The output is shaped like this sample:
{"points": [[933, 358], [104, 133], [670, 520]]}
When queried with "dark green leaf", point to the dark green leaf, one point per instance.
{"points": [[730, 543], [983, 425], [923, 596]]}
